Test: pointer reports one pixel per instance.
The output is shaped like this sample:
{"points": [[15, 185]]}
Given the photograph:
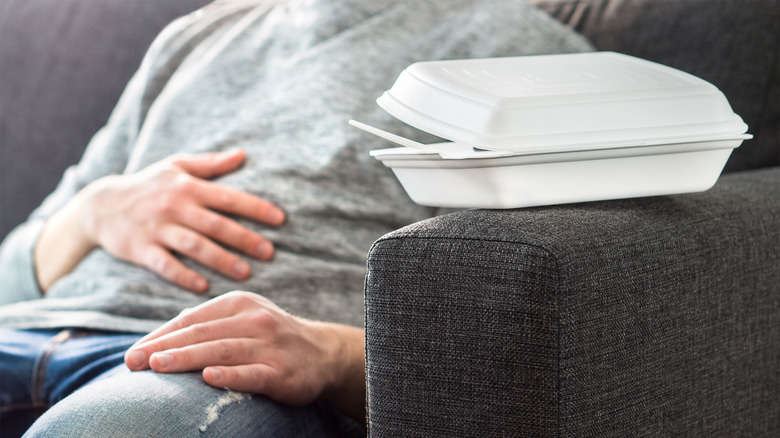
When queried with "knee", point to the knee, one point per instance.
{"points": [[179, 405], [131, 404]]}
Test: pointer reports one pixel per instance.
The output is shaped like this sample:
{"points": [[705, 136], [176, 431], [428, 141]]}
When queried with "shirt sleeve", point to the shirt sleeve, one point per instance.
{"points": [[17, 270]]}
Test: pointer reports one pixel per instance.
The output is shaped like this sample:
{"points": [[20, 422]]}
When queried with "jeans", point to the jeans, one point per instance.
{"points": [[81, 379], [40, 368]]}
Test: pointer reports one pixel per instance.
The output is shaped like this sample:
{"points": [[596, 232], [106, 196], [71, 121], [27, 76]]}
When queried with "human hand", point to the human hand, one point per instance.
{"points": [[244, 342], [169, 206]]}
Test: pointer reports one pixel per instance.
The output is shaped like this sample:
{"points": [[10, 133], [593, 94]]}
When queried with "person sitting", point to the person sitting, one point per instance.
{"points": [[216, 228]]}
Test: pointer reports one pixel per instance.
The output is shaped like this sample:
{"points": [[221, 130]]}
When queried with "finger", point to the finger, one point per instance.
{"points": [[210, 164], [229, 200], [226, 231], [139, 355], [254, 378], [214, 330], [204, 251], [161, 262], [223, 306], [231, 351]]}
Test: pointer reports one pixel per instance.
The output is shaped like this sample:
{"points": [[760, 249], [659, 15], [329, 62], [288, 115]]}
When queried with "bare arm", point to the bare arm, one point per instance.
{"points": [[169, 206]]}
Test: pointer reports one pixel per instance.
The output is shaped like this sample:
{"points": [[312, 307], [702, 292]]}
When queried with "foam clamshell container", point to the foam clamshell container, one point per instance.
{"points": [[554, 129]]}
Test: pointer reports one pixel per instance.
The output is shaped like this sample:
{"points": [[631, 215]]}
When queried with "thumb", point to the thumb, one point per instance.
{"points": [[211, 164]]}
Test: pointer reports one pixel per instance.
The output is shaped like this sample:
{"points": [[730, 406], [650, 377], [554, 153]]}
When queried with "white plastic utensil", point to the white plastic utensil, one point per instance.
{"points": [[448, 150], [397, 139]]}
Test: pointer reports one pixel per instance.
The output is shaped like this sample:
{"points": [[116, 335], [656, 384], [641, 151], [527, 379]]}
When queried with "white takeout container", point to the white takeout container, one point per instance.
{"points": [[552, 129]]}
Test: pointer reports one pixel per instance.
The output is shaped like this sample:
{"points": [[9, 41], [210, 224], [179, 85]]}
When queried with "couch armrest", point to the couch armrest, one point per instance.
{"points": [[643, 317]]}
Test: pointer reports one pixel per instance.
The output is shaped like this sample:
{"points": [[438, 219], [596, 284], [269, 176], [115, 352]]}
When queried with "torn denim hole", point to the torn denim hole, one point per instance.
{"points": [[213, 411]]}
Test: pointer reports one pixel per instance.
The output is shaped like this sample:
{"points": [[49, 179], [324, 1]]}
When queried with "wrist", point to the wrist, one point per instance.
{"points": [[345, 390], [63, 242]]}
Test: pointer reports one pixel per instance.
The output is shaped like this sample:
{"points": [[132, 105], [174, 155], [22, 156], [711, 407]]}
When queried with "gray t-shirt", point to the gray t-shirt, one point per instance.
{"points": [[279, 79]]}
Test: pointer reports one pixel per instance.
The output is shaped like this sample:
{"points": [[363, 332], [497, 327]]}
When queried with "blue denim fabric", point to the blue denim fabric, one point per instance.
{"points": [[39, 368], [147, 404], [104, 399]]}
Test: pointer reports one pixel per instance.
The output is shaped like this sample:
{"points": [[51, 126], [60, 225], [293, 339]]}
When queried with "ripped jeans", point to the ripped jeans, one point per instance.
{"points": [[79, 379]]}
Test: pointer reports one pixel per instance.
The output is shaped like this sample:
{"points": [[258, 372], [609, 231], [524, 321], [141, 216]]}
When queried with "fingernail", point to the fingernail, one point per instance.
{"points": [[265, 250], [215, 374], [135, 359], [162, 359], [277, 216], [240, 270], [199, 284]]}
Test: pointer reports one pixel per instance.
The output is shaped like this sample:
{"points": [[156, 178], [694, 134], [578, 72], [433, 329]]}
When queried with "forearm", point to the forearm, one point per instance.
{"points": [[41, 250], [62, 244], [348, 393]]}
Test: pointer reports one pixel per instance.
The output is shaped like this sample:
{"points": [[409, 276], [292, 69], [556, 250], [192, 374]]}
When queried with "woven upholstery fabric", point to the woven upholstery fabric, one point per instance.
{"points": [[733, 44], [644, 317], [451, 335]]}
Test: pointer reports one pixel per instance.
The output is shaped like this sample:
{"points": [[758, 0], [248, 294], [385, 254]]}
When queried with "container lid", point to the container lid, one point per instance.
{"points": [[551, 103]]}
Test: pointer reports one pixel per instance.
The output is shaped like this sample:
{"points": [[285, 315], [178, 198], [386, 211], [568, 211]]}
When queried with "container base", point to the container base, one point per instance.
{"points": [[537, 184]]}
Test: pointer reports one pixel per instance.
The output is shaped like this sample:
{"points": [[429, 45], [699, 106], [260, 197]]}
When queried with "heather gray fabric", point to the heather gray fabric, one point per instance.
{"points": [[280, 79], [63, 65], [734, 44], [649, 317]]}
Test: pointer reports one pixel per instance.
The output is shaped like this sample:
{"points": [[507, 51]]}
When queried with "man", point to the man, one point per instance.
{"points": [[228, 165]]}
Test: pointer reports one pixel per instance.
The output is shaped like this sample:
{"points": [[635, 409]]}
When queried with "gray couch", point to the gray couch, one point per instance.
{"points": [[646, 317]]}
